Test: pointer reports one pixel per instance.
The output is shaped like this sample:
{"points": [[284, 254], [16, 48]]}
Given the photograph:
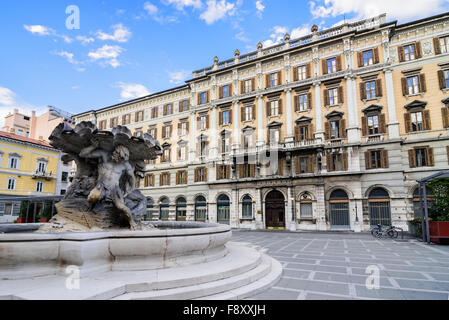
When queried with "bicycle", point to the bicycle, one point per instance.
{"points": [[380, 232]]}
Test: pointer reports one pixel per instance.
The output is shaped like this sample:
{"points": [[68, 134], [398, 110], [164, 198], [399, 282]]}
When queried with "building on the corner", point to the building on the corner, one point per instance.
{"points": [[28, 167], [328, 131]]}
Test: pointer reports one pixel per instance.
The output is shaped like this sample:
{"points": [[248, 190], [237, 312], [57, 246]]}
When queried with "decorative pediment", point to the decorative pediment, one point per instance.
{"points": [[335, 114], [166, 145], [372, 108], [416, 104], [274, 124], [248, 128], [303, 119], [15, 155], [225, 132], [182, 142], [42, 159], [203, 137]]}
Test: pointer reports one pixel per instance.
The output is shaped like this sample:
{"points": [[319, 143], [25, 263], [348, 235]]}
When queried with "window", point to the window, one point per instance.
{"points": [[304, 163], [225, 91], [200, 209], [248, 113], [39, 186], [203, 122], [102, 125], [421, 157], [20, 132], [149, 180], [302, 102], [274, 108], [126, 119], [444, 44], [274, 79], [333, 96], [201, 174], [413, 85], [373, 125], [370, 88], [63, 192], [223, 172], [376, 159], [248, 86], [13, 163], [225, 144], [184, 106], [368, 58], [182, 153], [332, 65], [306, 207], [139, 132], [164, 209], [152, 132], [166, 131], [181, 209], [182, 129], [203, 148], [65, 177], [168, 109], [247, 207], [223, 209], [302, 73], [274, 136], [41, 167], [247, 140], [139, 116], [181, 177], [225, 118], [409, 52], [204, 97], [165, 179], [114, 122], [417, 121], [337, 162], [303, 133], [11, 184], [335, 129], [154, 113], [247, 170], [166, 155]]}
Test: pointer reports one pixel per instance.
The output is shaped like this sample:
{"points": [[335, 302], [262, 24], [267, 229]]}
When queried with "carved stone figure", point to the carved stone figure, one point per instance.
{"points": [[102, 193]]}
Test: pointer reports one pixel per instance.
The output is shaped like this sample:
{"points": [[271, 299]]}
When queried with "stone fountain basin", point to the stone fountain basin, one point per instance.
{"points": [[27, 255]]}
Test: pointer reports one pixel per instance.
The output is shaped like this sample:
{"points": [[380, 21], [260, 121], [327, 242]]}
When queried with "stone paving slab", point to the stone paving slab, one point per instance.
{"points": [[333, 266]]}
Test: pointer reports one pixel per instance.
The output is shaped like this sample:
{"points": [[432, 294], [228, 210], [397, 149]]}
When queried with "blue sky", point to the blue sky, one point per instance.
{"points": [[126, 49]]}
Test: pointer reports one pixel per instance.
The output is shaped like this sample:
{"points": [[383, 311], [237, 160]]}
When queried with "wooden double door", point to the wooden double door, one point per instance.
{"points": [[275, 210]]}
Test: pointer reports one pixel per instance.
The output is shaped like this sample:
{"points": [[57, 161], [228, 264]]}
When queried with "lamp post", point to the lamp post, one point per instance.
{"points": [[357, 227]]}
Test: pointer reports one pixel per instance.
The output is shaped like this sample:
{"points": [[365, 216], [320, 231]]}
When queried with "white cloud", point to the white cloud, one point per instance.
{"points": [[278, 33], [300, 32], [68, 56], [150, 8], [39, 30], [180, 4], [120, 34], [217, 10], [260, 8], [132, 90], [178, 77], [365, 9], [107, 55], [85, 40]]}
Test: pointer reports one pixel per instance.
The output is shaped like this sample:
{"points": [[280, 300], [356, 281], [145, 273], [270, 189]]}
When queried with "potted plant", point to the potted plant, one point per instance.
{"points": [[23, 212], [439, 211], [46, 212]]}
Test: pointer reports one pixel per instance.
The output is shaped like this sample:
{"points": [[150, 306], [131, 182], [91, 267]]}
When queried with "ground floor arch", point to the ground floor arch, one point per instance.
{"points": [[275, 209]]}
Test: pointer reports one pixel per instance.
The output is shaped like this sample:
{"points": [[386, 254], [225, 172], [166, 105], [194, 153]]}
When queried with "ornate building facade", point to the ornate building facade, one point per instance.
{"points": [[326, 132]]}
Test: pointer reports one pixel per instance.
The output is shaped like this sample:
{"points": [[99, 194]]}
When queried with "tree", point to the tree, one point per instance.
{"points": [[440, 208]]}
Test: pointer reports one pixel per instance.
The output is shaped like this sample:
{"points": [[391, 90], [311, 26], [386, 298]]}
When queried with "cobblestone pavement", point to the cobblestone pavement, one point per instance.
{"points": [[325, 266]]}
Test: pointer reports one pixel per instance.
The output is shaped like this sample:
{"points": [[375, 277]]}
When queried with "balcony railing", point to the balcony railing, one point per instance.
{"points": [[308, 143], [42, 174]]}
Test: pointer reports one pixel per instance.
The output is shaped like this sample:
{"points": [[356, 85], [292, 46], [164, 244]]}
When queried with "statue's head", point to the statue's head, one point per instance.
{"points": [[120, 154]]}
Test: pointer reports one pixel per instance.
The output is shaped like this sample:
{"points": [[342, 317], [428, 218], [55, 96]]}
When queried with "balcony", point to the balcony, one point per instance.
{"points": [[308, 143], [42, 175]]}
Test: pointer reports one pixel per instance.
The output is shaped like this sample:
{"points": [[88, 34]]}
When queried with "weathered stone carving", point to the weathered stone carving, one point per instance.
{"points": [[102, 193]]}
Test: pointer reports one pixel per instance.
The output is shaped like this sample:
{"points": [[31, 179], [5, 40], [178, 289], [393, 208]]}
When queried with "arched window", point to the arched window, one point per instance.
{"points": [[306, 207], [200, 209], [164, 209], [417, 204], [150, 207], [339, 209], [223, 209], [379, 207], [247, 207], [11, 185], [181, 209]]}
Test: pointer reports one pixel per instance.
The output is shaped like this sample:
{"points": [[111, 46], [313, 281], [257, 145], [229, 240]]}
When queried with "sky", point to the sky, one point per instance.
{"points": [[121, 50]]}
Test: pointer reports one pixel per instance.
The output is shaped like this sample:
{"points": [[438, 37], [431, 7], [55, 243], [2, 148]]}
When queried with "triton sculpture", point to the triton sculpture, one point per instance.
{"points": [[102, 193]]}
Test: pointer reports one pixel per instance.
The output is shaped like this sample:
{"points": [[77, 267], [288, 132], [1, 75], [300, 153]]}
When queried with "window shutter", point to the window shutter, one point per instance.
{"points": [[436, 45], [441, 79], [338, 63], [280, 107], [187, 127], [404, 86], [123, 120], [408, 122], [309, 101], [426, 123], [179, 128], [268, 107], [136, 117], [267, 80], [340, 95], [231, 89], [324, 67], [308, 71], [360, 59], [368, 160], [279, 77], [384, 159], [418, 50], [171, 131], [430, 158], [422, 83], [312, 160], [217, 172], [326, 97], [165, 110], [253, 84], [343, 129], [198, 102], [252, 170], [401, 54], [207, 122], [177, 177], [230, 117], [382, 123], [378, 88], [362, 91], [411, 158], [242, 87], [364, 126], [207, 97], [220, 118], [344, 160], [295, 73], [220, 93], [253, 109], [296, 102], [445, 114], [242, 114], [327, 130], [157, 112], [163, 133], [297, 133], [179, 153], [329, 163], [376, 55]]}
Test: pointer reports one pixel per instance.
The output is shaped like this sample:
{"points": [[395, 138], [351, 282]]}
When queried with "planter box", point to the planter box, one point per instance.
{"points": [[24, 220], [439, 231]]}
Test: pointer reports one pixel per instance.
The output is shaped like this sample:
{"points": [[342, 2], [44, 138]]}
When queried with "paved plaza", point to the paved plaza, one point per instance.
{"points": [[324, 266]]}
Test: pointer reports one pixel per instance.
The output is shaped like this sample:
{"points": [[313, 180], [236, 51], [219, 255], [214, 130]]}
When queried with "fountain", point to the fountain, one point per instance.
{"points": [[98, 247]]}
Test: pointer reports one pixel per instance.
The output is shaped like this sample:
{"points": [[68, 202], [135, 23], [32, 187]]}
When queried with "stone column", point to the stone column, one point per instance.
{"points": [[258, 205], [290, 224], [393, 124], [289, 137], [353, 127], [192, 144], [320, 210], [236, 125], [213, 152], [319, 133], [235, 212], [260, 128]]}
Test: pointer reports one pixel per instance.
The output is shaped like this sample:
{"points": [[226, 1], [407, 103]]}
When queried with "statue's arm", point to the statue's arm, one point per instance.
{"points": [[92, 152], [132, 177]]}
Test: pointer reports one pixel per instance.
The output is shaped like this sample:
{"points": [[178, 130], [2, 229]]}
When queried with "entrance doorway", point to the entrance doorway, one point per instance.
{"points": [[339, 210], [275, 210], [379, 207]]}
